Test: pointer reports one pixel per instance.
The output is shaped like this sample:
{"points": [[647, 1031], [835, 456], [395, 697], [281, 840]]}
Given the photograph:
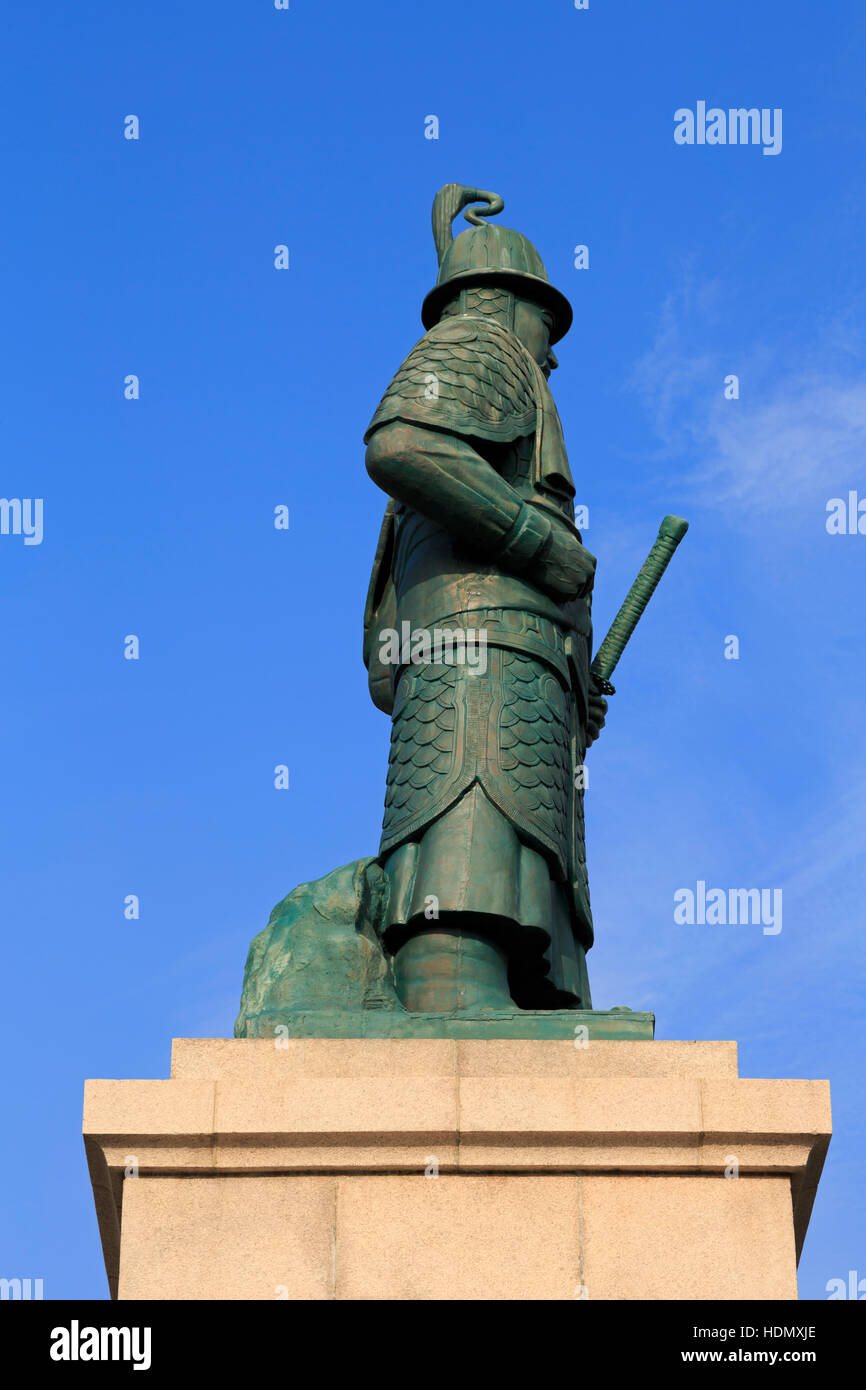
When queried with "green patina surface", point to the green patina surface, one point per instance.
{"points": [[319, 970], [596, 1025], [474, 918]]}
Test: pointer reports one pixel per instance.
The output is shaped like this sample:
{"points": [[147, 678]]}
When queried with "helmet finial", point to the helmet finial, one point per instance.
{"points": [[450, 199]]}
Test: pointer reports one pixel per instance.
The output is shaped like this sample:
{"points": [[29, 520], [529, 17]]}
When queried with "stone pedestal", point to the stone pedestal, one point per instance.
{"points": [[454, 1169]]}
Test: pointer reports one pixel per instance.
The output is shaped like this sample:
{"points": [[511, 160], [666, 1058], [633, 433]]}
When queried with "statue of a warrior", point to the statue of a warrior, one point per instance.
{"points": [[483, 838]]}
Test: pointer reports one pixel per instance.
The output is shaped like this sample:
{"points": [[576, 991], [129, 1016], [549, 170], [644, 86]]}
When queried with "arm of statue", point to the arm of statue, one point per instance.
{"points": [[442, 477]]}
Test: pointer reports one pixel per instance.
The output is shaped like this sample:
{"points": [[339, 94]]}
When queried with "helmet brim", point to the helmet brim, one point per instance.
{"points": [[519, 282]]}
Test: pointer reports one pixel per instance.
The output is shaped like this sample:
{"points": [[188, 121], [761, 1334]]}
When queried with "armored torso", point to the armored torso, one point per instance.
{"points": [[512, 730]]}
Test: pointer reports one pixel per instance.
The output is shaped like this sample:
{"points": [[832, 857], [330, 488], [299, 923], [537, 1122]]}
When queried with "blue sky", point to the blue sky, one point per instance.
{"points": [[155, 257]]}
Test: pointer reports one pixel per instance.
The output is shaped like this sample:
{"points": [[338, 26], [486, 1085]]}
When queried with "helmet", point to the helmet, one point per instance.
{"points": [[490, 255]]}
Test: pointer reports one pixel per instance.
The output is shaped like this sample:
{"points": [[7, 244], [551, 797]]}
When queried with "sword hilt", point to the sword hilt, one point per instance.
{"points": [[671, 532]]}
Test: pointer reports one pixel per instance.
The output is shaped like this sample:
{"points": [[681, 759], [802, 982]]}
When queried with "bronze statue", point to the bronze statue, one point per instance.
{"points": [[477, 640], [484, 811]]}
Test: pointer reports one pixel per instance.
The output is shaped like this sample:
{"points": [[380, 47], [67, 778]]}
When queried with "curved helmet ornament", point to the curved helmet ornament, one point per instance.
{"points": [[487, 254]]}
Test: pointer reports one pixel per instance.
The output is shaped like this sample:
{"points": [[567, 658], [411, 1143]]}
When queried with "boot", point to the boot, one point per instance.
{"points": [[449, 970]]}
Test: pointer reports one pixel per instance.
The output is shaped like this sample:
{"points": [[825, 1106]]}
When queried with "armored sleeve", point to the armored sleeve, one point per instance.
{"points": [[465, 377]]}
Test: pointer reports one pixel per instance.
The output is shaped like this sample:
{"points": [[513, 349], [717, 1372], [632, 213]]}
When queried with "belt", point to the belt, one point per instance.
{"points": [[517, 631]]}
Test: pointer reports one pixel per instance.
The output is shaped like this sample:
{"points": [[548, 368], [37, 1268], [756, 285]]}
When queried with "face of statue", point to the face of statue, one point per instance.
{"points": [[533, 326]]}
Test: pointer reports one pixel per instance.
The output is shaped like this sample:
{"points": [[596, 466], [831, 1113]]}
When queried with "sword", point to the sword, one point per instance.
{"points": [[671, 532]]}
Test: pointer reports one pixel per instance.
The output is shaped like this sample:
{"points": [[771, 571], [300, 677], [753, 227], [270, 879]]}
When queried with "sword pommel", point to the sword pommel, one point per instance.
{"points": [[673, 528]]}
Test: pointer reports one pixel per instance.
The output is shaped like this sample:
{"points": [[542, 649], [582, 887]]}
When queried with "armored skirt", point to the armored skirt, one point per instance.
{"points": [[478, 816]]}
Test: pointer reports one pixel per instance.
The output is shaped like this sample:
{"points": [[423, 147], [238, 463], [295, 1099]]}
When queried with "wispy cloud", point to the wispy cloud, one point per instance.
{"points": [[809, 435], [798, 428]]}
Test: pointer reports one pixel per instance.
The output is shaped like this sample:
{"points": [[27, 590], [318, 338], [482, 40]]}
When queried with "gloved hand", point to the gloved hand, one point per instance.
{"points": [[596, 714], [563, 567]]}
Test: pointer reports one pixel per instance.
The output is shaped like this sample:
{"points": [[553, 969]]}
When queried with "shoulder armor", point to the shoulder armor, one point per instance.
{"points": [[468, 377]]}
